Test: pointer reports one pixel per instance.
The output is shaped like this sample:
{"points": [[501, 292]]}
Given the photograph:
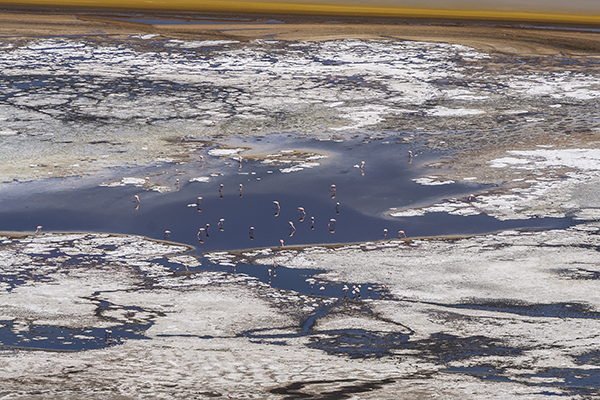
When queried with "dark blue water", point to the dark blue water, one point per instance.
{"points": [[359, 207]]}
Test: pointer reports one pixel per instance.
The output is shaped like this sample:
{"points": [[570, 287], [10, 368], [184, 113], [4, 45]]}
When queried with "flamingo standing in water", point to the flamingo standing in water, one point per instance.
{"points": [[278, 208], [220, 224], [198, 204], [39, 228], [137, 199], [281, 241], [312, 223], [251, 233], [331, 225], [401, 234], [199, 235], [167, 234], [241, 189], [221, 190], [337, 208], [292, 229], [385, 233], [301, 214], [333, 190], [206, 229], [362, 166]]}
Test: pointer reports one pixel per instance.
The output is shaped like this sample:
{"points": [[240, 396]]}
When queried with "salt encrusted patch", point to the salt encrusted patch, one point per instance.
{"points": [[541, 197], [200, 179], [456, 112], [432, 181], [225, 152]]}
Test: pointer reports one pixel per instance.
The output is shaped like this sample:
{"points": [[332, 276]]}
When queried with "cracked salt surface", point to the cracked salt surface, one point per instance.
{"points": [[519, 308], [542, 197], [70, 109]]}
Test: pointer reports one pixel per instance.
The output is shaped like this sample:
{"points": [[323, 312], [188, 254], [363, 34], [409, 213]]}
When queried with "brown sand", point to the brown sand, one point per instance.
{"points": [[487, 36]]}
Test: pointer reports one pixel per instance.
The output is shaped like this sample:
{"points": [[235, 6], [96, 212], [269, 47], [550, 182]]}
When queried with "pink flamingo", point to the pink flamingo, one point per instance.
{"points": [[221, 190], [331, 225], [251, 233], [471, 197], [198, 204], [278, 209], [206, 228], [202, 159], [137, 199], [401, 234], [39, 228], [385, 233], [241, 189], [281, 241], [312, 223], [362, 166], [292, 228], [240, 160], [333, 190], [301, 214], [167, 234], [337, 208], [177, 182], [220, 224], [199, 235]]}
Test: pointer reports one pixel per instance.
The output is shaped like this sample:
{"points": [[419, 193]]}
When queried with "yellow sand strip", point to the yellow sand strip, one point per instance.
{"points": [[312, 9]]}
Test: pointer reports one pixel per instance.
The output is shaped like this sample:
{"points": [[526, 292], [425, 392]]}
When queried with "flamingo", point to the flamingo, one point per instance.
{"points": [[362, 166], [292, 228], [220, 224], [337, 208], [333, 190], [385, 233], [240, 160], [199, 235], [251, 233], [312, 223], [221, 190], [198, 204], [281, 241], [177, 182], [331, 225], [401, 234], [301, 214], [206, 228], [278, 208], [167, 234], [39, 228], [137, 199], [471, 197], [241, 189]]}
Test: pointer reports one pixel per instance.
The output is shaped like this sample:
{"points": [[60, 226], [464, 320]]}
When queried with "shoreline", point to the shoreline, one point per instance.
{"points": [[486, 35]]}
